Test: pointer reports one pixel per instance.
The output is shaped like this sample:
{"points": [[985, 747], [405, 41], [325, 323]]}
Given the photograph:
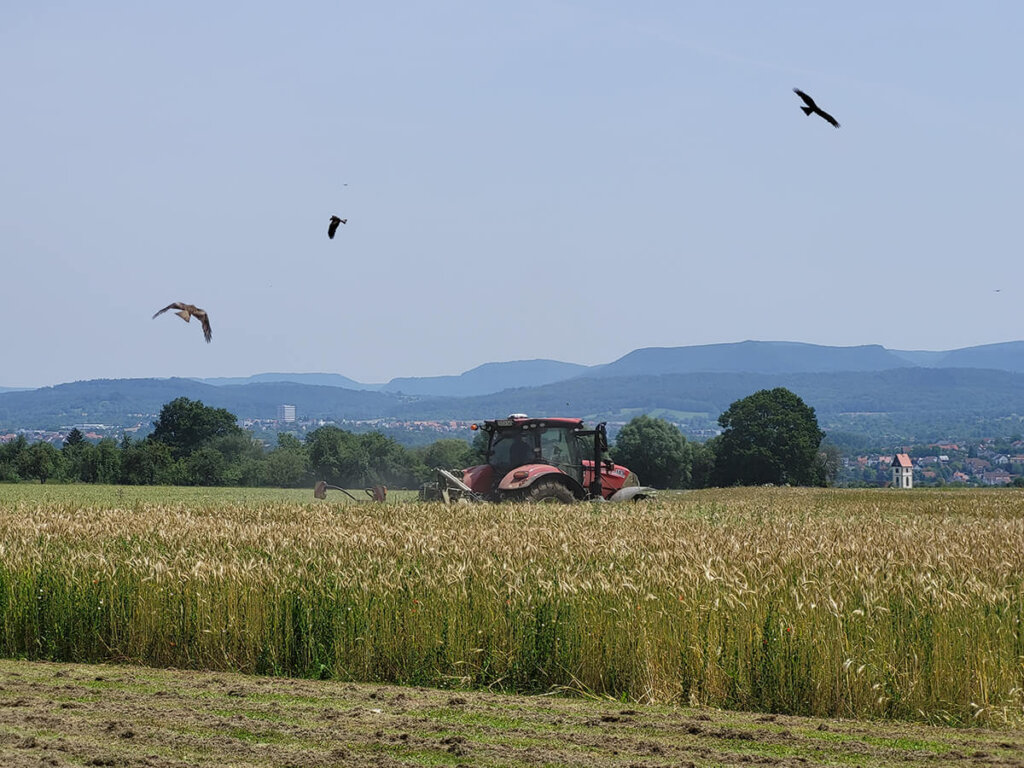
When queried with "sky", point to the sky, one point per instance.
{"points": [[540, 179]]}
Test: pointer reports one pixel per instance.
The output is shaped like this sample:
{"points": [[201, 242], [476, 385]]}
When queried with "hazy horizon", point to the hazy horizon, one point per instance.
{"points": [[6, 385]]}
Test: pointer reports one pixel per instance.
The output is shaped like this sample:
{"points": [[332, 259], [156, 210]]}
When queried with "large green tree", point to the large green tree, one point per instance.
{"points": [[387, 461], [447, 453], [351, 461], [41, 461], [10, 458], [74, 438], [207, 466], [74, 452], [656, 451], [147, 462], [99, 463], [288, 464], [772, 436], [703, 463], [334, 455], [186, 425]]}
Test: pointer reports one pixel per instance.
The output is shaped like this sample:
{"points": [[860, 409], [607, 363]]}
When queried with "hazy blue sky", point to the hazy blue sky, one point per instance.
{"points": [[569, 180]]}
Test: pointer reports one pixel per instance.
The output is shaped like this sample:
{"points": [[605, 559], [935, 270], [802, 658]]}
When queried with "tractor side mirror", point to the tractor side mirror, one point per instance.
{"points": [[320, 490]]}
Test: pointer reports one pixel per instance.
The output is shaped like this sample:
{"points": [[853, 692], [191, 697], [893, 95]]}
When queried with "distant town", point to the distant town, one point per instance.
{"points": [[985, 462]]}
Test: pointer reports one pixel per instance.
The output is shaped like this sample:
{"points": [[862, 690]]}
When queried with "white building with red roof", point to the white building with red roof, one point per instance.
{"points": [[902, 471]]}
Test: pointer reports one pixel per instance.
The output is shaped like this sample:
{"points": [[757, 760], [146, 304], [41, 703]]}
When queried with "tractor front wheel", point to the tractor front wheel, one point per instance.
{"points": [[549, 492]]}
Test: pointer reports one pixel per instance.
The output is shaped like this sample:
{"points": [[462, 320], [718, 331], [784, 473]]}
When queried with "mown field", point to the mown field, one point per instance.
{"points": [[852, 604], [54, 714]]}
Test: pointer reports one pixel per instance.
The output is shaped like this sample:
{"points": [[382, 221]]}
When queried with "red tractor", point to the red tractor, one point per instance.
{"points": [[548, 460]]}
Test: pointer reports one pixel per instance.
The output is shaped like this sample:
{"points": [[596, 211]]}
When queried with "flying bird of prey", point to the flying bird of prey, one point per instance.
{"points": [[186, 311], [333, 226], [812, 107]]}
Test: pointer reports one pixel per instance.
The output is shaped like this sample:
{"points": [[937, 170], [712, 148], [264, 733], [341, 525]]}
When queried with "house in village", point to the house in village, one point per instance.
{"points": [[997, 477], [902, 471]]}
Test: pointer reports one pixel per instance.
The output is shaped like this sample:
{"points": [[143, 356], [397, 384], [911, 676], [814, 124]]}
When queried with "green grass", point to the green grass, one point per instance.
{"points": [[474, 718], [418, 756], [183, 716], [88, 494]]}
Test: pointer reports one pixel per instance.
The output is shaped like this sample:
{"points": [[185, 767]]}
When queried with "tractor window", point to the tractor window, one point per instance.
{"points": [[510, 449], [556, 448], [585, 445]]}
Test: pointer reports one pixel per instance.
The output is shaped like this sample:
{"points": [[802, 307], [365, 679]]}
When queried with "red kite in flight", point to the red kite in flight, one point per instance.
{"points": [[185, 311], [333, 227], [812, 107]]}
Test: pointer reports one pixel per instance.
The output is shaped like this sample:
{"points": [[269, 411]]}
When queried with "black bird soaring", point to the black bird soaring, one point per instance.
{"points": [[812, 107], [333, 226], [185, 311]]}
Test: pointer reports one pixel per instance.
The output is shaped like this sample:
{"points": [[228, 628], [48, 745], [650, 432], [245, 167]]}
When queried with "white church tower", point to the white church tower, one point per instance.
{"points": [[902, 471]]}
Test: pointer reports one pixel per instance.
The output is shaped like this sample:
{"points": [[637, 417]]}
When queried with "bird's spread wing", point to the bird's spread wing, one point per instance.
{"points": [[175, 305], [812, 107], [827, 117], [205, 320], [333, 227], [807, 99]]}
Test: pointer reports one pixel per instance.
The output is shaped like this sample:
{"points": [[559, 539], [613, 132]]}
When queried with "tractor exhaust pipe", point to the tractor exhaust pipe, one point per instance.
{"points": [[600, 446]]}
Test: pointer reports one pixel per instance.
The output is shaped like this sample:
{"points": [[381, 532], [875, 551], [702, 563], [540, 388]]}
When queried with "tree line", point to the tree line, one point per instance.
{"points": [[193, 444], [769, 437]]}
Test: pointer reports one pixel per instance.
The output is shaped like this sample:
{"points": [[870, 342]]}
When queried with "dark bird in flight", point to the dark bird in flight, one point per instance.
{"points": [[333, 226], [185, 311], [812, 107]]}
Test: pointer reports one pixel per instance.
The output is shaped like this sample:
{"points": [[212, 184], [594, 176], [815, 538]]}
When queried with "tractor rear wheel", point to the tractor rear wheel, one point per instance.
{"points": [[550, 492]]}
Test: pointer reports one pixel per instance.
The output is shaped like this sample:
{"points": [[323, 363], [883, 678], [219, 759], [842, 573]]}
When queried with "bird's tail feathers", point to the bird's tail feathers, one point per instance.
{"points": [[807, 110]]}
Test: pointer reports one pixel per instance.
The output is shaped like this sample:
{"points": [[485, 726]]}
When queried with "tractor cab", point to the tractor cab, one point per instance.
{"points": [[518, 441]]}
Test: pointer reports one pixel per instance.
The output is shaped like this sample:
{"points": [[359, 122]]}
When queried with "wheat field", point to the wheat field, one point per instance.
{"points": [[834, 603]]}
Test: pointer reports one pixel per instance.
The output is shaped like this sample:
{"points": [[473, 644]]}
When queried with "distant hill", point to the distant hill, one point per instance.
{"points": [[487, 378], [849, 384], [895, 391], [771, 357], [1007, 356], [320, 379], [751, 357], [967, 391], [923, 358]]}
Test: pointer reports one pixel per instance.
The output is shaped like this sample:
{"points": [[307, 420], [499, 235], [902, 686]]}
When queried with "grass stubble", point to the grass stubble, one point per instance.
{"points": [[827, 603], [56, 714]]}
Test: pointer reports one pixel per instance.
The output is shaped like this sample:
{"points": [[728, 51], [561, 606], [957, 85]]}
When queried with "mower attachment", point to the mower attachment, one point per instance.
{"points": [[377, 493]]}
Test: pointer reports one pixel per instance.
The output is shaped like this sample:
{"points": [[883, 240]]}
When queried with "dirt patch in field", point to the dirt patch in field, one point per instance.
{"points": [[61, 714]]}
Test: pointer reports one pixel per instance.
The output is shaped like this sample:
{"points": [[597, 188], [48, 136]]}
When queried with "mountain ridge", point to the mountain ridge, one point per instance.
{"points": [[319, 379], [971, 379], [748, 356], [484, 378]]}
